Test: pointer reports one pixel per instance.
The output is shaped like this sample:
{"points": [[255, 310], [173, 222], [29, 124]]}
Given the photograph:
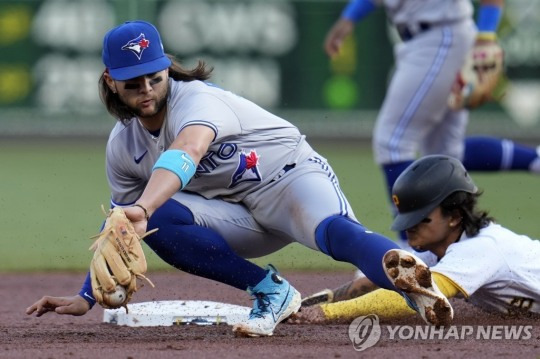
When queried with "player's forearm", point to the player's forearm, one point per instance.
{"points": [[353, 289], [447, 286], [86, 291], [175, 167], [172, 171], [161, 186], [498, 3], [384, 303]]}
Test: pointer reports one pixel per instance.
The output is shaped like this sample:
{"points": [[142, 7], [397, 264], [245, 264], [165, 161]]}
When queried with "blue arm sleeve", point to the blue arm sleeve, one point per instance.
{"points": [[489, 17], [358, 9], [86, 291]]}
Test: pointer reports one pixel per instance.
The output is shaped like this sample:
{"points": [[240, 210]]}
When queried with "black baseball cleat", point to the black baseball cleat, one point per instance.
{"points": [[324, 296], [412, 277]]}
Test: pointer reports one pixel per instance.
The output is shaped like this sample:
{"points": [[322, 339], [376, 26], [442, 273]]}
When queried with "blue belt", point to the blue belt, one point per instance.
{"points": [[284, 170], [406, 33], [287, 168]]}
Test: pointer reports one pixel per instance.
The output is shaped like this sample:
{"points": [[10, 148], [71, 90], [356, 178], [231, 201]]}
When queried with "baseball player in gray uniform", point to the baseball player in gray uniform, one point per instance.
{"points": [[493, 267], [415, 117], [220, 176]]}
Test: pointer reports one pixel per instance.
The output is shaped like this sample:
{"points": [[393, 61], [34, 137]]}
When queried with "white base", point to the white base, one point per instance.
{"points": [[176, 312]]}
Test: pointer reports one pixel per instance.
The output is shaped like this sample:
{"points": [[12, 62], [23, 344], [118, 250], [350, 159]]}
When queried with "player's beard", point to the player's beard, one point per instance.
{"points": [[160, 101], [160, 104]]}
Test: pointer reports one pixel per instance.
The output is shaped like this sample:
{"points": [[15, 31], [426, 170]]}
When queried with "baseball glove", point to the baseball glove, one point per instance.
{"points": [[118, 261], [477, 81]]}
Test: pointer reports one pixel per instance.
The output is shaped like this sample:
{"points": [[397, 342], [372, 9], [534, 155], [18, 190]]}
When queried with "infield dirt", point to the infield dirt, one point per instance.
{"points": [[55, 336]]}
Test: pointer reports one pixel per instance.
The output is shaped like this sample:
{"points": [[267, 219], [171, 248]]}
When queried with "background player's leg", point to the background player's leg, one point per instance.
{"points": [[391, 172], [416, 100], [198, 250], [446, 137], [479, 153], [493, 154]]}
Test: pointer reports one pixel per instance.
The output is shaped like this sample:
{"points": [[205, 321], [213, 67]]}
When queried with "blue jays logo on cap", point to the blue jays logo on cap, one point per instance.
{"points": [[137, 45], [139, 38]]}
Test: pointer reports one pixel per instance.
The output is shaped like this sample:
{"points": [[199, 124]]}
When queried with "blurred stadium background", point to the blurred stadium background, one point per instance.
{"points": [[268, 51], [53, 127]]}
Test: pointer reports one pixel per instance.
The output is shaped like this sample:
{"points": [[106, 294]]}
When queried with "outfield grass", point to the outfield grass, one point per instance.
{"points": [[51, 195]]}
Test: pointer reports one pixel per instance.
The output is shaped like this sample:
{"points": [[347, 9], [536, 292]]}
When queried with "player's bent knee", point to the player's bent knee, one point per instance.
{"points": [[171, 213]]}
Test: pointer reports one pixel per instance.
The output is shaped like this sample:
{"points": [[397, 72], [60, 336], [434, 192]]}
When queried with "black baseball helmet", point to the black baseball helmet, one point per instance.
{"points": [[424, 185]]}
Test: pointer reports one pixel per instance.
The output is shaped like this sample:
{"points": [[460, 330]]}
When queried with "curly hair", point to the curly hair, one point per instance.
{"points": [[472, 218], [178, 73]]}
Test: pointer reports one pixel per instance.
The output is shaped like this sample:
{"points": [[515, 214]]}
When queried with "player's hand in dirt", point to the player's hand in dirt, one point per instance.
{"points": [[75, 305], [308, 315]]}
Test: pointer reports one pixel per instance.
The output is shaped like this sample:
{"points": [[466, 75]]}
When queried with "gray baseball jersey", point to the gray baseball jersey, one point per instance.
{"points": [[498, 269], [415, 118], [429, 11], [255, 158]]}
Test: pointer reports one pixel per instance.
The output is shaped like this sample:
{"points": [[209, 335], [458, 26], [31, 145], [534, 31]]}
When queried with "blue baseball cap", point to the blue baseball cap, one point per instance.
{"points": [[133, 49]]}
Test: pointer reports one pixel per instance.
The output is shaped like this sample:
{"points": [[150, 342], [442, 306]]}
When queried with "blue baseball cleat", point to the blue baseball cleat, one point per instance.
{"points": [[412, 277], [274, 300]]}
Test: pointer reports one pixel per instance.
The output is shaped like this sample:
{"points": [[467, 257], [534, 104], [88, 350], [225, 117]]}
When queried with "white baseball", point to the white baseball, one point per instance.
{"points": [[117, 297]]}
